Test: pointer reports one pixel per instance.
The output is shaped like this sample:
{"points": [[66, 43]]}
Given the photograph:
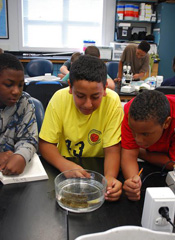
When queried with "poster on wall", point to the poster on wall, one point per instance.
{"points": [[4, 33]]}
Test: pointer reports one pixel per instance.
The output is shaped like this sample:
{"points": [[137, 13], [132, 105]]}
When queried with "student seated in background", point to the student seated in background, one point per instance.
{"points": [[137, 57], [94, 51], [84, 121], [18, 127], [170, 81], [65, 68], [74, 57], [148, 133]]}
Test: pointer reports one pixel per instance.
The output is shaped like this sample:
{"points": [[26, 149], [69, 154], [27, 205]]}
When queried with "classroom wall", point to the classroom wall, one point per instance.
{"points": [[166, 49], [12, 44]]}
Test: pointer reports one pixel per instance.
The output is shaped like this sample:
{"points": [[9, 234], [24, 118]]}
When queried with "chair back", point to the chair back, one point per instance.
{"points": [[112, 69], [39, 67], [39, 112], [166, 89], [44, 90]]}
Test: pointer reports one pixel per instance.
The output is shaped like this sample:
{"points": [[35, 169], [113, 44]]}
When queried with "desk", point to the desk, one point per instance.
{"points": [[28, 211], [127, 96], [41, 78], [124, 96]]}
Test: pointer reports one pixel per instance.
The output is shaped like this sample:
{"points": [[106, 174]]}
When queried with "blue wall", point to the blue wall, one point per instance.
{"points": [[166, 48]]}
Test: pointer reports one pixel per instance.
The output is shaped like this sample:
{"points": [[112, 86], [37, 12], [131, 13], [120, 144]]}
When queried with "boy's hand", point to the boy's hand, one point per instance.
{"points": [[78, 170], [4, 156], [132, 188], [77, 173], [14, 165], [118, 79], [136, 76], [114, 189]]}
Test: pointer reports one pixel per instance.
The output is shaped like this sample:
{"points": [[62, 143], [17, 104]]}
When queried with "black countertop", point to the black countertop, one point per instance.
{"points": [[29, 210]]}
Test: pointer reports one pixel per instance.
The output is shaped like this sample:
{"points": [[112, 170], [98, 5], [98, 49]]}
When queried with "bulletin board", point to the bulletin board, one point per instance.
{"points": [[4, 31]]}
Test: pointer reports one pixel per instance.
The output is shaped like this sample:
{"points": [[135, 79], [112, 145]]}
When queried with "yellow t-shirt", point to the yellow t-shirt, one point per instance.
{"points": [[79, 135]]}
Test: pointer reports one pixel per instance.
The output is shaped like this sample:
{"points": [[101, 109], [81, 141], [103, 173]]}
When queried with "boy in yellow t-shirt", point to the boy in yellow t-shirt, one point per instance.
{"points": [[84, 120]]}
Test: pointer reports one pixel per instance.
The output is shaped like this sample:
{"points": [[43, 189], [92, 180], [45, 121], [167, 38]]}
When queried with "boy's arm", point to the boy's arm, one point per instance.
{"points": [[120, 72], [65, 78], [130, 169], [139, 75], [157, 158], [129, 163], [27, 132], [26, 139], [110, 83], [50, 153], [64, 69], [111, 169]]}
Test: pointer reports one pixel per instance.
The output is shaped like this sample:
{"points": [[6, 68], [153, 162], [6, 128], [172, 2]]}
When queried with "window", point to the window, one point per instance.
{"points": [[61, 23]]}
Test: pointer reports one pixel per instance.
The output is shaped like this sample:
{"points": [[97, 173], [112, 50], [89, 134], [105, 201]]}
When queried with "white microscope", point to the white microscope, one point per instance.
{"points": [[127, 79]]}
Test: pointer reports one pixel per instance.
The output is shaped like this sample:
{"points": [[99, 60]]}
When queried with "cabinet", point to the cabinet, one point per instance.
{"points": [[134, 19], [118, 47]]}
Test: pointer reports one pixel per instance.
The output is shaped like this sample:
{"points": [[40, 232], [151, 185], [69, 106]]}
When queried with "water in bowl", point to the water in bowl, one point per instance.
{"points": [[80, 195]]}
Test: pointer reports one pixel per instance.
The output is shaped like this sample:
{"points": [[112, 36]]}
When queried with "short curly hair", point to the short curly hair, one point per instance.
{"points": [[9, 61], [88, 68], [150, 105], [75, 56], [144, 46]]}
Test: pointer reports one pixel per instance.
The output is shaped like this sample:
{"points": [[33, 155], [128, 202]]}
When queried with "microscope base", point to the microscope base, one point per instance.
{"points": [[127, 89]]}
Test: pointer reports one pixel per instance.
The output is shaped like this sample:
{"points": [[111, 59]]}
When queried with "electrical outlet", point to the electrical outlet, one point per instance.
{"points": [[170, 180], [155, 198]]}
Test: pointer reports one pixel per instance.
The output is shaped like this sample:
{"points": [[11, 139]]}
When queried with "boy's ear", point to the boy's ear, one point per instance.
{"points": [[104, 94], [167, 122], [70, 88]]}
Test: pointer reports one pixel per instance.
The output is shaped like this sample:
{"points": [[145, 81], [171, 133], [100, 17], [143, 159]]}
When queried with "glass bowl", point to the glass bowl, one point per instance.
{"points": [[77, 193]]}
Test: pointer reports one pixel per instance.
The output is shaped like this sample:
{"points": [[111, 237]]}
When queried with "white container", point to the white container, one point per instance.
{"points": [[47, 76], [159, 80], [128, 233], [141, 18], [142, 5], [120, 8], [142, 12], [129, 12], [87, 43], [136, 12], [129, 18], [120, 16], [78, 193], [148, 6]]}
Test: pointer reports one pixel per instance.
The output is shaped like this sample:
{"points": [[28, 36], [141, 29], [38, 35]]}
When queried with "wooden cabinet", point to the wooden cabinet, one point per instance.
{"points": [[154, 71]]}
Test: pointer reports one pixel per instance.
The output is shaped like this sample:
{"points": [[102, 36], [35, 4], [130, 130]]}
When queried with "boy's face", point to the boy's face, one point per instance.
{"points": [[147, 133], [87, 95], [140, 53], [11, 86]]}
